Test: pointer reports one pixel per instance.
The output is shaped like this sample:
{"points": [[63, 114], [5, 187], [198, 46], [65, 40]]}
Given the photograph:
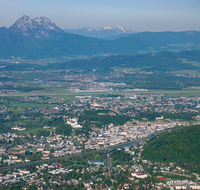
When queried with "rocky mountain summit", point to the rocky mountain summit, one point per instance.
{"points": [[40, 27], [107, 32]]}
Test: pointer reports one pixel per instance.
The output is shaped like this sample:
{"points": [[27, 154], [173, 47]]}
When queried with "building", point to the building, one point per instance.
{"points": [[97, 162], [139, 175]]}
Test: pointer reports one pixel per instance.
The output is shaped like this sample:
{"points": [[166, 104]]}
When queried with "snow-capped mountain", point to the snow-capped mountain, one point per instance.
{"points": [[40, 27], [103, 33], [40, 38]]}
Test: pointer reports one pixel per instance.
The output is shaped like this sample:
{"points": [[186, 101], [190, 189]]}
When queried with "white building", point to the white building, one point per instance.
{"points": [[139, 175], [74, 123]]}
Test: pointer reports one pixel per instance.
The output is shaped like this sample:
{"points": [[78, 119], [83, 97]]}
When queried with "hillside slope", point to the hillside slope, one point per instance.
{"points": [[179, 146], [166, 37], [164, 61]]}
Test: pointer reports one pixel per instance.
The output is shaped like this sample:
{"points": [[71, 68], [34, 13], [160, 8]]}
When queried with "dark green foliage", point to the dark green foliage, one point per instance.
{"points": [[28, 153], [151, 116], [21, 88], [64, 129], [4, 128], [85, 130], [165, 61], [15, 186], [180, 146], [119, 157], [43, 133], [6, 79], [92, 117], [35, 157]]}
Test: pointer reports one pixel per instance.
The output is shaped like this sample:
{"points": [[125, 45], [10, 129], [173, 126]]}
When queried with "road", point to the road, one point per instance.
{"points": [[108, 162], [52, 159], [74, 155], [129, 143]]}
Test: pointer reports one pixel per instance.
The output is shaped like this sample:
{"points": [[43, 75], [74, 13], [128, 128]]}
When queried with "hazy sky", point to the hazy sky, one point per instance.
{"points": [[138, 15]]}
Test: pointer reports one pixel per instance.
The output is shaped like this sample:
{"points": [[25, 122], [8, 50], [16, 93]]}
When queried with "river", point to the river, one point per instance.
{"points": [[129, 143]]}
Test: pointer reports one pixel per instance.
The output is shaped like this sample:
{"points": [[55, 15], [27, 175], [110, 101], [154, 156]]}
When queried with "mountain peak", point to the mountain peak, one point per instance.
{"points": [[121, 28], [25, 18], [107, 28], [39, 27], [106, 32]]}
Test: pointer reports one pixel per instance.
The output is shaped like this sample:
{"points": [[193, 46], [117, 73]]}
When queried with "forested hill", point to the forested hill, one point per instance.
{"points": [[179, 146], [164, 61], [166, 37]]}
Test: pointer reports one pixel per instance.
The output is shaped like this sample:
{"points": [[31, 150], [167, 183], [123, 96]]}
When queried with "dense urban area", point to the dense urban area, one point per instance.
{"points": [[92, 138]]}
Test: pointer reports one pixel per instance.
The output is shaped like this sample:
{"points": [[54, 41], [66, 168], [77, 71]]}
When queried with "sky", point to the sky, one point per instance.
{"points": [[137, 15]]}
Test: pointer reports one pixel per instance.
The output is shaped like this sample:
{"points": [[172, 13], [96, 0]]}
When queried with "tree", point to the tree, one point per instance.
{"points": [[64, 129]]}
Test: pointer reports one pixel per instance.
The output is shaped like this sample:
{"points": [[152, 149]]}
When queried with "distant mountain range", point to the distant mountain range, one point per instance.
{"points": [[107, 32], [40, 38]]}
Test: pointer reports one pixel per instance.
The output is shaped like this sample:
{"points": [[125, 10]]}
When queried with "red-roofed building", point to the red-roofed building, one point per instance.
{"points": [[160, 177], [59, 165], [131, 178]]}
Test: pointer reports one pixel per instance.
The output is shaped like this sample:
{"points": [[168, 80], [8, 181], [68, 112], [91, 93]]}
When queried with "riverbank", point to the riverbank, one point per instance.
{"points": [[129, 143]]}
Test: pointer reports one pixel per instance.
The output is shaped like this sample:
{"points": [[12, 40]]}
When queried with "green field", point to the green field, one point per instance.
{"points": [[15, 150], [35, 131], [16, 103]]}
